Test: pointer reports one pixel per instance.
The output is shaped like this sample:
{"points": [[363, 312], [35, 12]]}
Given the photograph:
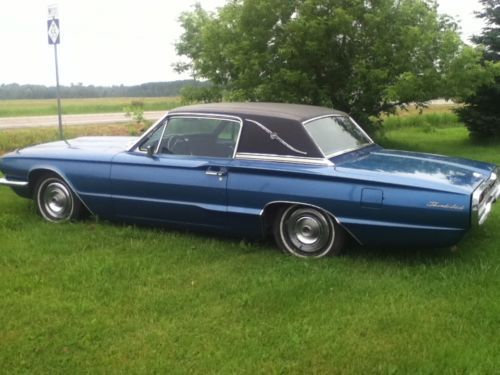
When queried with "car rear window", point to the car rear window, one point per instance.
{"points": [[336, 134]]}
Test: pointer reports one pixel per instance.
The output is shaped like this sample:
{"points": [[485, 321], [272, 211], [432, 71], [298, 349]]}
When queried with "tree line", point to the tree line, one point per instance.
{"points": [[152, 89]]}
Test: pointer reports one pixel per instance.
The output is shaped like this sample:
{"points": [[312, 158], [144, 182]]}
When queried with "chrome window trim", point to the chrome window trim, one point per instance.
{"points": [[151, 129], [348, 150], [320, 117], [214, 116], [371, 141], [196, 115], [362, 130], [160, 140], [283, 159], [12, 183]]}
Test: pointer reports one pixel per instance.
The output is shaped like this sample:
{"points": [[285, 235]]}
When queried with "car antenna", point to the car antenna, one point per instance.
{"points": [[63, 137]]}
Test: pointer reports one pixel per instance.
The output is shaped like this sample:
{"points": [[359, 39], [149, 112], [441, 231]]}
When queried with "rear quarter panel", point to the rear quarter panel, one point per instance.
{"points": [[374, 213]]}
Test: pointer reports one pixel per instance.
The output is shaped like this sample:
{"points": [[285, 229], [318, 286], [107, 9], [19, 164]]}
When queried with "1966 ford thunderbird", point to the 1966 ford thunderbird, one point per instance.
{"points": [[308, 175]]}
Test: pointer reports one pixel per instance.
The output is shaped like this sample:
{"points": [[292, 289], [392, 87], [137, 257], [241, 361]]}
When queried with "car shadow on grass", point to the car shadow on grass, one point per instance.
{"points": [[228, 245], [407, 256]]}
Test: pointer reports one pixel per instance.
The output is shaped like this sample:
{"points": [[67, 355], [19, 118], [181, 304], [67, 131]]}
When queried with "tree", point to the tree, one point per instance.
{"points": [[481, 112], [490, 37], [360, 56]]}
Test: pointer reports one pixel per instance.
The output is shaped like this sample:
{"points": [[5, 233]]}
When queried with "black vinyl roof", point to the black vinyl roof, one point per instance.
{"points": [[269, 128], [294, 112]]}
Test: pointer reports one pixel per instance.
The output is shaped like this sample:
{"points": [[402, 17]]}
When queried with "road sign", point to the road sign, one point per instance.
{"points": [[53, 12], [54, 34], [54, 31]]}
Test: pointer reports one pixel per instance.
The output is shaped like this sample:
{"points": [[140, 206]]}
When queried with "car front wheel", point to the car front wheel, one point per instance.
{"points": [[307, 232], [55, 200]]}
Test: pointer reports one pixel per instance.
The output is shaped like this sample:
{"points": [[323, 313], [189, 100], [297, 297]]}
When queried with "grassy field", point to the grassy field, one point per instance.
{"points": [[12, 108], [92, 296]]}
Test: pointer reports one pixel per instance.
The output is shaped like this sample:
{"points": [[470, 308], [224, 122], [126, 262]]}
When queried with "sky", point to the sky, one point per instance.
{"points": [[113, 42]]}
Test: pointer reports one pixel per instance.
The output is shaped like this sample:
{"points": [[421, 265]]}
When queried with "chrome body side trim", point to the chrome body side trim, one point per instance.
{"points": [[483, 198], [310, 205], [12, 183], [283, 159]]}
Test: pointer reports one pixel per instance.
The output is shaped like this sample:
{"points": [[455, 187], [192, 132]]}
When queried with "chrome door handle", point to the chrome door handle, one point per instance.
{"points": [[219, 172]]}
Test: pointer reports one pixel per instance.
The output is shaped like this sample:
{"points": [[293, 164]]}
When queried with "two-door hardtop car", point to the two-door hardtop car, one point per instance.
{"points": [[309, 175]]}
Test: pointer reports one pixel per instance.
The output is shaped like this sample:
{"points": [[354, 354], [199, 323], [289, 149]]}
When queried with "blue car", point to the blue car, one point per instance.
{"points": [[310, 176]]}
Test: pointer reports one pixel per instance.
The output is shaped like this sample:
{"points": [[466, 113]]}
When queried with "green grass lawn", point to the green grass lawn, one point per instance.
{"points": [[12, 108], [99, 297]]}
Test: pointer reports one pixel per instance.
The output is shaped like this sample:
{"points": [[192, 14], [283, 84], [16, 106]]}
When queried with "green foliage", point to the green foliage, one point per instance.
{"points": [[490, 37], [208, 94], [360, 56], [135, 111], [481, 112], [447, 140], [431, 120]]}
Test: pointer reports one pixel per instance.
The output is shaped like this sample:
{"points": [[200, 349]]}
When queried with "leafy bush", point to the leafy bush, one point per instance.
{"points": [[135, 111], [481, 114]]}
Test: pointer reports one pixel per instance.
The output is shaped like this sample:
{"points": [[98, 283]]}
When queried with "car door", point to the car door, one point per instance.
{"points": [[178, 174]]}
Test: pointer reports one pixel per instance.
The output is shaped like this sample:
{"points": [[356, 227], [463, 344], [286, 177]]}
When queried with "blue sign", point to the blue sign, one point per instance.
{"points": [[54, 31]]}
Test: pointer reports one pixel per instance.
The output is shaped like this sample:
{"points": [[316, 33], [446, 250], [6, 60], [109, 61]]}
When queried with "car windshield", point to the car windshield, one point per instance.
{"points": [[336, 134]]}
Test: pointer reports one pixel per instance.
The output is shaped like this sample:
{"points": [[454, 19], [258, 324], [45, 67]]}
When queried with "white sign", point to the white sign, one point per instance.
{"points": [[53, 31], [53, 13]]}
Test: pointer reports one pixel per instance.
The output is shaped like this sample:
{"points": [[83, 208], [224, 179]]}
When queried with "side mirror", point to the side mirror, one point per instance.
{"points": [[150, 150]]}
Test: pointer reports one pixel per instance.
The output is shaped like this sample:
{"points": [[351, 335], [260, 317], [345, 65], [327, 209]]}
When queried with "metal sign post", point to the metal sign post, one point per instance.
{"points": [[54, 39]]}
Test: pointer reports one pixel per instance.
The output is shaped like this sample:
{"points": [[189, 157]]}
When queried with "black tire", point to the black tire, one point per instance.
{"points": [[54, 199], [307, 232]]}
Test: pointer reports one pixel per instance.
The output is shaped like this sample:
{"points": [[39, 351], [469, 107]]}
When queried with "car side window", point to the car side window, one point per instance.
{"points": [[200, 137], [152, 140]]}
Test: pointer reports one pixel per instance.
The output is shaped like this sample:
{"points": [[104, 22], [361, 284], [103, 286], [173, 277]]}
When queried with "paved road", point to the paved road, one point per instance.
{"points": [[70, 120], [98, 118]]}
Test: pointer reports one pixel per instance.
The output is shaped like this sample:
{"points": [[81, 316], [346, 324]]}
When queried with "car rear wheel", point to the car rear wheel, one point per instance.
{"points": [[55, 200], [307, 232]]}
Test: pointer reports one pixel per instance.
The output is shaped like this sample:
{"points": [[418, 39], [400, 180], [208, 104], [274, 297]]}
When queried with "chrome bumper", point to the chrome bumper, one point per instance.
{"points": [[485, 196], [11, 183]]}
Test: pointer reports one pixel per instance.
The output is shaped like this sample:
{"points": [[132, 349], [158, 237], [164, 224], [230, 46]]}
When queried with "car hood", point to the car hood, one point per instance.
{"points": [[419, 170], [87, 147], [85, 143]]}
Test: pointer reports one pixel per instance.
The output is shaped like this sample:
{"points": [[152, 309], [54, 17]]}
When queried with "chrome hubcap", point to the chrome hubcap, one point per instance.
{"points": [[308, 230], [57, 201]]}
